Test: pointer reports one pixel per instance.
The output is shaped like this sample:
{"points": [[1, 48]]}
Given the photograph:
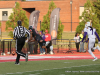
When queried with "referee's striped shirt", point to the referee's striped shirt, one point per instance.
{"points": [[20, 32]]}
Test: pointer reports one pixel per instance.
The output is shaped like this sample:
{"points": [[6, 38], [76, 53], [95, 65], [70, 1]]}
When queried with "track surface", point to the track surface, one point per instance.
{"points": [[57, 56]]}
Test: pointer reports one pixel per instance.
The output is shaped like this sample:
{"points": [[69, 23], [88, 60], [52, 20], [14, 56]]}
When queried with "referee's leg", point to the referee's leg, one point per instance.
{"points": [[17, 59], [19, 43]]}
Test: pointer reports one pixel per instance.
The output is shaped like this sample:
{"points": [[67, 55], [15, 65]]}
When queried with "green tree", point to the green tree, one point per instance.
{"points": [[0, 24], [96, 4], [46, 21], [88, 14], [18, 14], [23, 0]]}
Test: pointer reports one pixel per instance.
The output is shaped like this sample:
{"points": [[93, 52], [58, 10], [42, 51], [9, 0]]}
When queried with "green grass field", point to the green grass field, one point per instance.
{"points": [[51, 67], [68, 35]]}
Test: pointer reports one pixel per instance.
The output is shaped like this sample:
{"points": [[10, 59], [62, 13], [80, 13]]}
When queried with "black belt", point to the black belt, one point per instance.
{"points": [[20, 37]]}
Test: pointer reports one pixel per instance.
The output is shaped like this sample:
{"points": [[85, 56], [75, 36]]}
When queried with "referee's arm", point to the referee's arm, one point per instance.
{"points": [[27, 32], [14, 33]]}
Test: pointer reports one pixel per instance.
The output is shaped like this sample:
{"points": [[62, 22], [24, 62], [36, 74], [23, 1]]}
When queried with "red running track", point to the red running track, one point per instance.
{"points": [[57, 56]]}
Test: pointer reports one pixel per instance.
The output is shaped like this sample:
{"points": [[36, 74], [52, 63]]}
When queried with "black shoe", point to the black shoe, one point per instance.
{"points": [[92, 49], [17, 63], [77, 50], [26, 58]]}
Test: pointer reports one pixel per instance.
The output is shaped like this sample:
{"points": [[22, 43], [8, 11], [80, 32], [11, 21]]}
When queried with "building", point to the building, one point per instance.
{"points": [[69, 13]]}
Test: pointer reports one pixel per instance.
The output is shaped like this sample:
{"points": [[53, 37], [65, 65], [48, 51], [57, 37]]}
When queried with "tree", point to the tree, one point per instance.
{"points": [[88, 14], [96, 4], [23, 0], [46, 21], [18, 14]]}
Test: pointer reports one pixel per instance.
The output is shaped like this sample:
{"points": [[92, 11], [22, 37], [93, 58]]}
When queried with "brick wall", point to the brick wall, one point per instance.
{"points": [[3, 25], [42, 6]]}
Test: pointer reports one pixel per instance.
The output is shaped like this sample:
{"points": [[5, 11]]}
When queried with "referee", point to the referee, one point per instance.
{"points": [[19, 34]]}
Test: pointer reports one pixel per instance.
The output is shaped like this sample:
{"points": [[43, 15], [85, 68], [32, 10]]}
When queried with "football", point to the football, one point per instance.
{"points": [[13, 53]]}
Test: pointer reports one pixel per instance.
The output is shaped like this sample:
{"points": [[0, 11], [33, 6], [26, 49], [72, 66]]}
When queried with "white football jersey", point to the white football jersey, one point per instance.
{"points": [[85, 29], [90, 33]]}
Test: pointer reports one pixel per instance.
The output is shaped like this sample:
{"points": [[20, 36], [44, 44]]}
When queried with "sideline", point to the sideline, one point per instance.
{"points": [[47, 57]]}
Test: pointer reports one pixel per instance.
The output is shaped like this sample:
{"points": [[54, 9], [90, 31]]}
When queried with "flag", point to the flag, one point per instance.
{"points": [[54, 22], [33, 20]]}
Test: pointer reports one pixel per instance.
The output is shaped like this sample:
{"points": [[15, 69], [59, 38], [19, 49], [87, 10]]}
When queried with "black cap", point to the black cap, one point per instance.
{"points": [[19, 22]]}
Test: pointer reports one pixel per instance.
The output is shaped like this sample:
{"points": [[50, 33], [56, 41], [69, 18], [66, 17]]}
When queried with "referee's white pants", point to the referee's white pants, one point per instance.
{"points": [[90, 45]]}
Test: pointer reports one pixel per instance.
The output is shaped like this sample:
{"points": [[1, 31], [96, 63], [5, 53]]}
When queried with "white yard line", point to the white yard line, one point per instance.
{"points": [[62, 74], [35, 74], [68, 62], [10, 73]]}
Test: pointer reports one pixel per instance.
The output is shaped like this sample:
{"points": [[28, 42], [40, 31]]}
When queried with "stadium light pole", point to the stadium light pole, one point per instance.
{"points": [[40, 24], [15, 4], [71, 13], [1, 29]]}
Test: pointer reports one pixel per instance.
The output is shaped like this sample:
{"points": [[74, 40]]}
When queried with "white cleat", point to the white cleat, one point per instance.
{"points": [[17, 63], [98, 48], [95, 59], [51, 52], [43, 52]]}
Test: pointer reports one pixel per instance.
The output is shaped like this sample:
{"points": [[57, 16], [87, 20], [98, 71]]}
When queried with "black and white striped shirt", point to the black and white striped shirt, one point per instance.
{"points": [[20, 32]]}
